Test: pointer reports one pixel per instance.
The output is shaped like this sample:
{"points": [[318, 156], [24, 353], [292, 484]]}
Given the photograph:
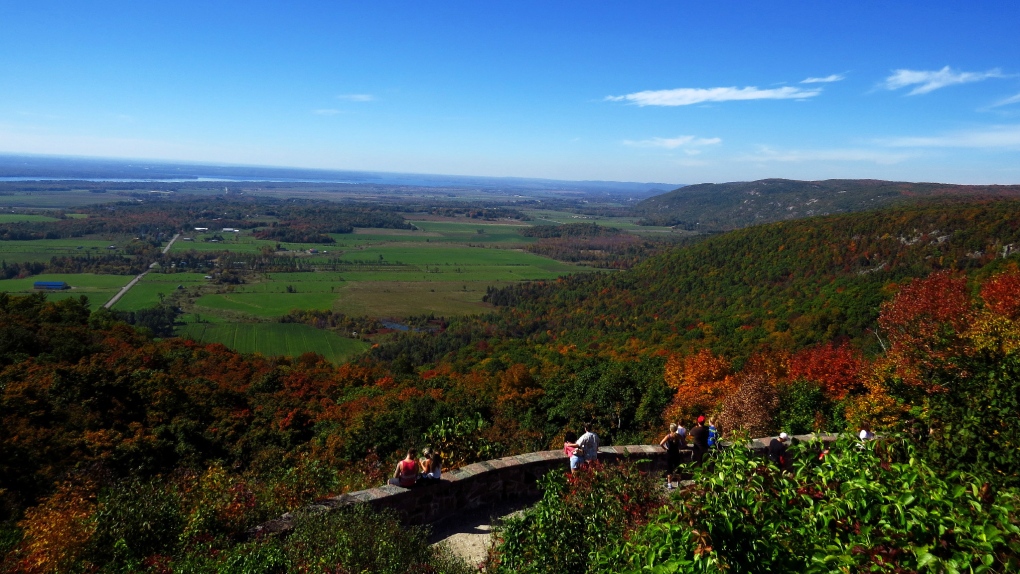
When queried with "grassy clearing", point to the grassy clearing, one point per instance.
{"points": [[24, 217], [145, 293], [45, 249], [264, 304], [400, 299], [628, 224], [98, 288], [58, 199], [274, 339]]}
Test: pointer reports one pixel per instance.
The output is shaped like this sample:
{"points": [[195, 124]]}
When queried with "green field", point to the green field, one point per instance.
{"points": [[24, 217], [272, 339], [98, 288], [264, 304], [629, 224], [145, 293], [50, 199], [442, 267], [45, 249]]}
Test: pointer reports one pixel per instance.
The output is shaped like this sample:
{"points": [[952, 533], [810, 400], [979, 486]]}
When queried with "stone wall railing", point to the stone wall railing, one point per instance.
{"points": [[486, 483]]}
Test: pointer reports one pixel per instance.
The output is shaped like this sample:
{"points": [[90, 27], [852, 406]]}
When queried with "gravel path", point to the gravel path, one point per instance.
{"points": [[469, 534]]}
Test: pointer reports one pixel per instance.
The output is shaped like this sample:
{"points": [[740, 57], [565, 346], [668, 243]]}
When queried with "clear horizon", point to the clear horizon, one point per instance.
{"points": [[657, 92]]}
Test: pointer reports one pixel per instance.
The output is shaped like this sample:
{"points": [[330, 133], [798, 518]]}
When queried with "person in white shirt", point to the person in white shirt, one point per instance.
{"points": [[589, 443]]}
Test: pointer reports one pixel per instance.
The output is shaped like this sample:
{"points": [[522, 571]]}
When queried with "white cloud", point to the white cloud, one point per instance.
{"points": [[767, 154], [356, 97], [825, 80], [1010, 100], [991, 137], [673, 143], [689, 96], [928, 81], [327, 112]]}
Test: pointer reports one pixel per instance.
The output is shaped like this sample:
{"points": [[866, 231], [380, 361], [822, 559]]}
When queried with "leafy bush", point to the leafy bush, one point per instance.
{"points": [[864, 508], [579, 514]]}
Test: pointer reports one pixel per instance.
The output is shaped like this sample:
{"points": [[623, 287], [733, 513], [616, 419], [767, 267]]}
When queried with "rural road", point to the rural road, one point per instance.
{"points": [[113, 300]]}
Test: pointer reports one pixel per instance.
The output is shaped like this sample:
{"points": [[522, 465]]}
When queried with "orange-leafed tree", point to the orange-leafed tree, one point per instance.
{"points": [[837, 368], [701, 382], [56, 532]]}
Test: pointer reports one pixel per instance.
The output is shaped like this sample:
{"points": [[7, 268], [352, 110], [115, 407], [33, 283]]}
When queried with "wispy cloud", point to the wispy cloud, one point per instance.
{"points": [[1010, 100], [930, 80], [327, 112], [689, 96], [673, 143], [825, 80], [990, 137], [356, 97], [768, 154]]}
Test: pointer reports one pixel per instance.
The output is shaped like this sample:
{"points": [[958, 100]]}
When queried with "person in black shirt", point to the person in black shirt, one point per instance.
{"points": [[777, 450], [699, 436]]}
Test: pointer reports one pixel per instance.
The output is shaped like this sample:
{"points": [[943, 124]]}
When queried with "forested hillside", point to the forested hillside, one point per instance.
{"points": [[786, 285], [724, 206]]}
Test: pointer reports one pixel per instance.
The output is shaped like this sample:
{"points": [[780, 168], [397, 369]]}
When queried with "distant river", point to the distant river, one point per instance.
{"points": [[177, 180]]}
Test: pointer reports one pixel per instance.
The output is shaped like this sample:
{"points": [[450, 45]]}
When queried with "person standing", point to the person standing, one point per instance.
{"points": [[589, 444], [573, 451], [777, 450], [671, 442], [699, 438], [713, 434]]}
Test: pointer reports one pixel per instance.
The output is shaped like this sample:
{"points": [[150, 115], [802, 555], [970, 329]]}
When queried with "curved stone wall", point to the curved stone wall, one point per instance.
{"points": [[486, 483]]}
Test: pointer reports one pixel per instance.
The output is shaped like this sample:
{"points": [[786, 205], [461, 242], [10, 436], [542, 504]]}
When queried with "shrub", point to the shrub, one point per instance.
{"points": [[864, 508], [578, 516]]}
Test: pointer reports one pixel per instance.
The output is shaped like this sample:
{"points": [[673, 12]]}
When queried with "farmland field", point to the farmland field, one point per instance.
{"points": [[98, 288], [275, 339], [145, 293], [23, 217], [45, 249], [263, 304], [629, 224]]}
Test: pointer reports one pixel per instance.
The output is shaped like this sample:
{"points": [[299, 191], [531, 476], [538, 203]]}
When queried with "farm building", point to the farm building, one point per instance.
{"points": [[51, 285]]}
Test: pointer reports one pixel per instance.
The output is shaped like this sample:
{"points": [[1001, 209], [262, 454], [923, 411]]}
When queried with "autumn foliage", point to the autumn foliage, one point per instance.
{"points": [[701, 382], [838, 368]]}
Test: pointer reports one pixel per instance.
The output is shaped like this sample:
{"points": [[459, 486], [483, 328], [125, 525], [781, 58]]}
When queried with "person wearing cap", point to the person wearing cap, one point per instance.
{"points": [[699, 438], [777, 450]]}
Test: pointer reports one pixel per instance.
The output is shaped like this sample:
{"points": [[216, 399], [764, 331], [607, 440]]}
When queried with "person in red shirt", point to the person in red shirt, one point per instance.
{"points": [[406, 473]]}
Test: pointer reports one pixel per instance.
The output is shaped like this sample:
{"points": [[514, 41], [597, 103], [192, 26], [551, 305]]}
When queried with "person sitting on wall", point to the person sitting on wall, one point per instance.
{"points": [[572, 450], [406, 473], [431, 466]]}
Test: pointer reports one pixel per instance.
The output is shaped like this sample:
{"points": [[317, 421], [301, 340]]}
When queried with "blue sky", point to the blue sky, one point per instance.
{"points": [[668, 91]]}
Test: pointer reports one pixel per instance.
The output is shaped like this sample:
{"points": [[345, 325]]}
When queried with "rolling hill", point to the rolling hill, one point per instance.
{"points": [[725, 206]]}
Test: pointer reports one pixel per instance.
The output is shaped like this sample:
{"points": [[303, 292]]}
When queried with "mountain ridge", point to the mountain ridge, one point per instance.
{"points": [[732, 205]]}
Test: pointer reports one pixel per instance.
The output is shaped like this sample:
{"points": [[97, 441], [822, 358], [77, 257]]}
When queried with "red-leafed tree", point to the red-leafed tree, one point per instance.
{"points": [[1001, 293], [925, 323], [837, 368]]}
